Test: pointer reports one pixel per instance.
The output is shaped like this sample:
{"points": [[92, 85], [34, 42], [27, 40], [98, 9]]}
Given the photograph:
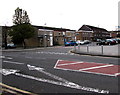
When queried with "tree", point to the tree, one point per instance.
{"points": [[20, 17], [22, 29]]}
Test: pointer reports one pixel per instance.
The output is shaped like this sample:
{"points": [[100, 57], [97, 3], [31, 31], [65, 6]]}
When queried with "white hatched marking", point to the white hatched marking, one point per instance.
{"points": [[70, 63], [96, 67]]}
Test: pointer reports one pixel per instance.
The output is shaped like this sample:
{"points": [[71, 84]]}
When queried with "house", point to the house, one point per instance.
{"points": [[88, 32]]}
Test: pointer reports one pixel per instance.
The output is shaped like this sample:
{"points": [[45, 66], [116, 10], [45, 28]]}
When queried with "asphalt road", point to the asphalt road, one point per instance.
{"points": [[33, 71]]}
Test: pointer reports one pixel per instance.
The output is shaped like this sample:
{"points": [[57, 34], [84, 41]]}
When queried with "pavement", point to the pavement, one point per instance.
{"points": [[106, 50]]}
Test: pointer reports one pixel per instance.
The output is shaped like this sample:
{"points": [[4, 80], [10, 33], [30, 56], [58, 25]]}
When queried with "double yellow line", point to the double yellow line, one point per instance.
{"points": [[16, 89]]}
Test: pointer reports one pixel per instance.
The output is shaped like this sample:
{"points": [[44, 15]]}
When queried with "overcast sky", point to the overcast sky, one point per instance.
{"points": [[70, 14]]}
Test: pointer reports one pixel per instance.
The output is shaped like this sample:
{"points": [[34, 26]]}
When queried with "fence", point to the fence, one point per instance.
{"points": [[112, 50]]}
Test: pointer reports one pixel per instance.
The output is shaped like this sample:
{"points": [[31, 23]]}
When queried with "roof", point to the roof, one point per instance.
{"points": [[52, 28], [91, 28]]}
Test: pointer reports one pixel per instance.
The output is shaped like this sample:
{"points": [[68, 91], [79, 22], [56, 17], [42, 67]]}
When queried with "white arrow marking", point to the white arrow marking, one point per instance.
{"points": [[11, 71], [64, 82], [8, 71], [49, 74]]}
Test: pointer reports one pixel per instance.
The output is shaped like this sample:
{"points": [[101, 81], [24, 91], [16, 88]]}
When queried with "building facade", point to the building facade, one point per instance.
{"points": [[84, 35], [94, 32]]}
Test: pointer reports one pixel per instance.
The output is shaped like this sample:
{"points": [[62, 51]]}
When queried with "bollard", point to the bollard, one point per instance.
{"points": [[78, 46], [87, 49], [75, 48], [102, 49]]}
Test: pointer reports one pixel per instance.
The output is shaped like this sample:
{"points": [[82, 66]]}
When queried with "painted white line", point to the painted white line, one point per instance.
{"points": [[112, 75], [9, 58], [56, 53], [116, 74], [69, 63], [64, 84], [85, 72], [6, 72], [13, 62], [96, 67], [2, 56], [48, 74], [57, 63], [70, 84], [5, 57]]}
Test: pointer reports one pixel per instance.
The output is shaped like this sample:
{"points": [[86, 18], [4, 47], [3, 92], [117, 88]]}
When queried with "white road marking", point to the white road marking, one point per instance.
{"points": [[13, 62], [5, 57], [8, 71], [111, 75], [70, 85], [2, 57], [116, 74], [9, 58], [57, 63], [48, 74], [70, 63], [96, 67], [56, 53]]}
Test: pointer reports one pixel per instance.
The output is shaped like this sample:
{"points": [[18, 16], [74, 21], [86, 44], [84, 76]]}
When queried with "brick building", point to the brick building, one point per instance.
{"points": [[87, 32]]}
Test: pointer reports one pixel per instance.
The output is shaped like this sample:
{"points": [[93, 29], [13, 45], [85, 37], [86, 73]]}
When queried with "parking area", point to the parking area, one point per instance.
{"points": [[89, 67]]}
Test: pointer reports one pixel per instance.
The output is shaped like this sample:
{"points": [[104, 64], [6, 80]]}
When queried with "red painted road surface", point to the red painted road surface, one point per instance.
{"points": [[89, 67]]}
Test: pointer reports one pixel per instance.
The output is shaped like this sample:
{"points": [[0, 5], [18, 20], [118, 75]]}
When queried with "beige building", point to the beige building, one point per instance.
{"points": [[59, 37], [45, 37], [70, 35]]}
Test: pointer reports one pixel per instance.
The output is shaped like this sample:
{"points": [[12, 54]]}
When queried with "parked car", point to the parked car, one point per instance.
{"points": [[111, 42], [83, 42], [87, 41], [118, 40], [107, 42], [80, 42], [70, 43], [102, 42], [11, 45]]}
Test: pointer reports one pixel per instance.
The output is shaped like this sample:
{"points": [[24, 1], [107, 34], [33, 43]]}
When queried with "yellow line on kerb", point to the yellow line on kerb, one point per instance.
{"points": [[16, 89]]}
